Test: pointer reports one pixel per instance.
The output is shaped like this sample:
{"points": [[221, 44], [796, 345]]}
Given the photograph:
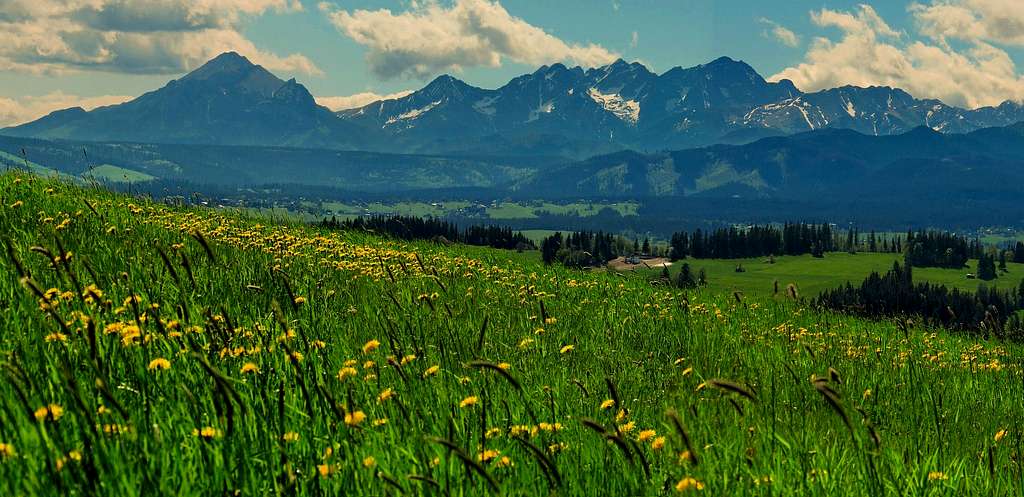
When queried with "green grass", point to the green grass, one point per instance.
{"points": [[115, 174], [258, 332], [812, 276]]}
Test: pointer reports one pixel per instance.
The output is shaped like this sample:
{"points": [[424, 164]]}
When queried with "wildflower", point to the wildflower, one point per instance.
{"points": [[56, 337], [504, 366], [346, 372], [369, 462], [52, 411], [937, 475], [469, 401], [1000, 435], [526, 342], [550, 321], [354, 418], [6, 450], [487, 455], [567, 349], [206, 432], [325, 470], [291, 436], [299, 300], [685, 457], [380, 422], [658, 443], [386, 394], [295, 356], [17, 204], [607, 404], [407, 359], [370, 346], [249, 368], [431, 371], [503, 462], [159, 363], [628, 427], [645, 435], [689, 483]]}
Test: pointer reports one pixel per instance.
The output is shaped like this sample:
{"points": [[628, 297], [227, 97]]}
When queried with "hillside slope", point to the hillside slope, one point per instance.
{"points": [[150, 350]]}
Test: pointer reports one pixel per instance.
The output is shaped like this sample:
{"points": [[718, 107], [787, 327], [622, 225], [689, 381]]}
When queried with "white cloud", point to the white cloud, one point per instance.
{"points": [[133, 36], [870, 52], [25, 109], [780, 33], [429, 38], [996, 21], [357, 100], [634, 40]]}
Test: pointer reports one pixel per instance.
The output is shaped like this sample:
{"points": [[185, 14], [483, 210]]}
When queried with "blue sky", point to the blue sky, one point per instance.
{"points": [[963, 51]]}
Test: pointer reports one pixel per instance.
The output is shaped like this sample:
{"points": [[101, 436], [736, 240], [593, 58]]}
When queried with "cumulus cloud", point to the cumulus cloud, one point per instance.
{"points": [[996, 21], [133, 36], [430, 38], [870, 52], [357, 100], [30, 108], [780, 33]]}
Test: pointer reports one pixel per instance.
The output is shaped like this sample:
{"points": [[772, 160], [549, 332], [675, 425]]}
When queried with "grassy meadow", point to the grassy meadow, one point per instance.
{"points": [[152, 350], [813, 276]]}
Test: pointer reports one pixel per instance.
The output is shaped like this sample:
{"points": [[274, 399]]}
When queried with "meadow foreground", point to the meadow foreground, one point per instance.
{"points": [[156, 350]]}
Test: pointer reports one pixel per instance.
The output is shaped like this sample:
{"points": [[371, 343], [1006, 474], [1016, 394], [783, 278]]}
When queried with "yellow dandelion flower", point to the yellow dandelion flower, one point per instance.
{"points": [[369, 462], [299, 300], [526, 342], [291, 436], [6, 450], [469, 401], [503, 462], [999, 435], [567, 349], [937, 476], [325, 470], [380, 422], [431, 371], [249, 367], [645, 435], [347, 372], [354, 418], [658, 443], [371, 346], [487, 455], [206, 432], [607, 404], [386, 394], [56, 337], [159, 363], [52, 411], [689, 483], [504, 366]]}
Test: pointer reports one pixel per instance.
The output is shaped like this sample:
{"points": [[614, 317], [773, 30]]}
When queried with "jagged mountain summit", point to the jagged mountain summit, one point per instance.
{"points": [[556, 110], [229, 100]]}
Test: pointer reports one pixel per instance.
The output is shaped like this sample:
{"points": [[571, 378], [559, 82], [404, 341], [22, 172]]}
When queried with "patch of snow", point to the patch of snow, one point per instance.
{"points": [[626, 110], [850, 109], [571, 90], [545, 108], [412, 114], [485, 105]]}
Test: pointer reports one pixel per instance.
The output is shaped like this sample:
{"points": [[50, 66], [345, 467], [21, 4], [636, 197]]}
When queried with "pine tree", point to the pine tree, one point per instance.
{"points": [[685, 278]]}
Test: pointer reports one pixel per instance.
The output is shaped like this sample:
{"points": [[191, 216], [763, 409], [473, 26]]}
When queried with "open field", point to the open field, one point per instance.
{"points": [[812, 276], [150, 350]]}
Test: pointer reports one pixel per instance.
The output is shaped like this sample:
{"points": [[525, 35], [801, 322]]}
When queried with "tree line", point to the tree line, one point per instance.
{"points": [[987, 311], [758, 241], [417, 228]]}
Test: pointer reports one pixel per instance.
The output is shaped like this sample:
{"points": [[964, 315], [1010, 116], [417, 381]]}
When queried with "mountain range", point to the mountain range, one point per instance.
{"points": [[554, 111]]}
